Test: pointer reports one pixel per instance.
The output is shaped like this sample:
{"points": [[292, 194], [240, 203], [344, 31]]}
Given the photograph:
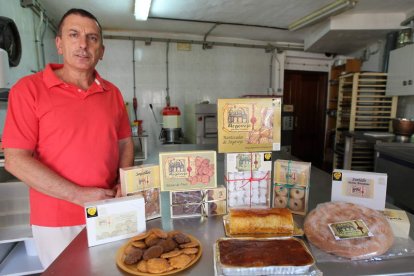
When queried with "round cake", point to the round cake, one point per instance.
{"points": [[318, 232]]}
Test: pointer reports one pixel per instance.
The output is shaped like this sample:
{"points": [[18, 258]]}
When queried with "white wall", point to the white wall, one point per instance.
{"points": [[194, 76], [26, 22]]}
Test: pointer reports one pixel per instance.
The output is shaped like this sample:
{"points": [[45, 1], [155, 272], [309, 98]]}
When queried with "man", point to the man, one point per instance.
{"points": [[66, 135]]}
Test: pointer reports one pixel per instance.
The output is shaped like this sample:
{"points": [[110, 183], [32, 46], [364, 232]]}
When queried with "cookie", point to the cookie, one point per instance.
{"points": [[190, 250], [142, 266], [151, 240], [141, 236], [152, 252], [159, 233], [168, 244], [171, 254], [158, 265], [189, 244], [181, 238], [179, 261], [133, 256], [139, 244]]}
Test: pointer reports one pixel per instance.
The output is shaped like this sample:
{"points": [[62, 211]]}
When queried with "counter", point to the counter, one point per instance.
{"points": [[78, 259]]}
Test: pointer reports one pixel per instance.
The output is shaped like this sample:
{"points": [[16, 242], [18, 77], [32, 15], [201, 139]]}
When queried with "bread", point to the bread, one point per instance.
{"points": [[261, 221], [319, 234]]}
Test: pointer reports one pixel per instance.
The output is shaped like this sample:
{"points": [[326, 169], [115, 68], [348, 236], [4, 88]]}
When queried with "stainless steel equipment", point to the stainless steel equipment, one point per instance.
{"points": [[403, 129], [201, 123]]}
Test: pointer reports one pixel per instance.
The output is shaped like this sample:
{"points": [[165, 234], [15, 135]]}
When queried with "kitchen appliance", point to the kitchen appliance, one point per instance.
{"points": [[171, 132], [403, 128], [201, 123]]}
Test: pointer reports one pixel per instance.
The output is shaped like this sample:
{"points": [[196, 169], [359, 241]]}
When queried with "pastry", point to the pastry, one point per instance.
{"points": [[297, 193], [295, 204], [151, 240], [281, 191], [171, 254], [142, 266], [280, 202], [179, 261], [267, 220], [152, 252], [158, 265], [318, 232]]}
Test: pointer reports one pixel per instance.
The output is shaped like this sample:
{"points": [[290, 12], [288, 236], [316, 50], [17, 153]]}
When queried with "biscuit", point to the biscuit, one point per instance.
{"points": [[142, 266], [139, 244], [180, 261], [133, 256], [167, 244], [152, 252], [181, 238], [190, 250], [171, 254], [189, 244], [141, 236], [158, 265], [151, 240], [159, 233]]}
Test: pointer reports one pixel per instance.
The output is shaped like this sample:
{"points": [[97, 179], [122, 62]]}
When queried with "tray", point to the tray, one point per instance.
{"points": [[221, 269], [131, 269], [296, 231]]}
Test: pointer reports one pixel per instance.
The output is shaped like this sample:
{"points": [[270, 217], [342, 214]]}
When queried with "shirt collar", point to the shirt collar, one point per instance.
{"points": [[50, 78]]}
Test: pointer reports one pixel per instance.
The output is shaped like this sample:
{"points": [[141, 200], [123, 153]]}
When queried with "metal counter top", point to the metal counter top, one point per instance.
{"points": [[402, 151], [78, 259]]}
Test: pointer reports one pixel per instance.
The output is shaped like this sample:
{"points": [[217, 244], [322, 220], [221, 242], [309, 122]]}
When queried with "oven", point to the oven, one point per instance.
{"points": [[200, 123]]}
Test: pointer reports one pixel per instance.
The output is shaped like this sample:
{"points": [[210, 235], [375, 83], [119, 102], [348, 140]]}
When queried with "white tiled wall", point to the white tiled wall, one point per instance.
{"points": [[26, 23], [194, 76]]}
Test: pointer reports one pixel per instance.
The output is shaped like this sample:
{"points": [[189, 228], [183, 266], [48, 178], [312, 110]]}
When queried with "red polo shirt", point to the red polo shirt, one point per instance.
{"points": [[72, 131]]}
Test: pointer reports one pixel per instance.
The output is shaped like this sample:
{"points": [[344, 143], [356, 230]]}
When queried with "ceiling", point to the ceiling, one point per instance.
{"points": [[258, 20]]}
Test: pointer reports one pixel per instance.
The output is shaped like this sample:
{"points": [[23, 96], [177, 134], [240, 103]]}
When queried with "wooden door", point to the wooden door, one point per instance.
{"points": [[307, 92]]}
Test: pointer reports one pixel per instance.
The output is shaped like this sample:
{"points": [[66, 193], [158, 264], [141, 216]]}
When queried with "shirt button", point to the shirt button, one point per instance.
{"points": [[79, 90]]}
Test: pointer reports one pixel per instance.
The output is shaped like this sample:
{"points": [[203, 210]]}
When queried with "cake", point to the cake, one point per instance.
{"points": [[261, 221]]}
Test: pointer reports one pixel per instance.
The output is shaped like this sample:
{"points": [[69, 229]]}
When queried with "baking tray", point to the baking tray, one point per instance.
{"points": [[221, 269], [297, 232]]}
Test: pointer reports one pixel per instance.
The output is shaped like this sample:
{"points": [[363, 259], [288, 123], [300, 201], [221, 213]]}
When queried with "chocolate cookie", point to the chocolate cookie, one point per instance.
{"points": [[181, 238], [153, 252]]}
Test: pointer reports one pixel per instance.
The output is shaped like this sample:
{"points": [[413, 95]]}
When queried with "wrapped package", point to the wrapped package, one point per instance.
{"points": [[188, 170], [208, 202], [291, 185], [248, 124], [114, 219], [348, 230], [248, 179], [143, 180]]}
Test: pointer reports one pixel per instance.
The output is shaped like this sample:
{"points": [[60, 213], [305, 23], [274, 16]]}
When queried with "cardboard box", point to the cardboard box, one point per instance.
{"points": [[138, 178], [248, 179], [292, 172], [207, 202], [399, 222], [143, 180], [249, 124], [291, 185], [188, 170], [114, 219], [365, 188]]}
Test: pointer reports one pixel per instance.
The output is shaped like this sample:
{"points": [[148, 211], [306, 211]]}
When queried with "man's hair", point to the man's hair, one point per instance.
{"points": [[80, 12]]}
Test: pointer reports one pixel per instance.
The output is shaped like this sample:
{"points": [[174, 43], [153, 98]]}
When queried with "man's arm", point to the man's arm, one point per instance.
{"points": [[21, 164], [126, 159], [126, 152]]}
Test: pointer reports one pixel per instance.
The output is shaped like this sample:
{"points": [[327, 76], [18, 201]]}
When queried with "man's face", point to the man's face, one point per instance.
{"points": [[80, 43]]}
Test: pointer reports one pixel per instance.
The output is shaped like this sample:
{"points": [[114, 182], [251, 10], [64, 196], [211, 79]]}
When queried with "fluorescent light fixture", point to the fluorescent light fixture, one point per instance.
{"points": [[322, 13], [141, 10]]}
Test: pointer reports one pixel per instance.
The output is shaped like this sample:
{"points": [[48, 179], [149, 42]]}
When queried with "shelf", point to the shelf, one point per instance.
{"points": [[18, 262]]}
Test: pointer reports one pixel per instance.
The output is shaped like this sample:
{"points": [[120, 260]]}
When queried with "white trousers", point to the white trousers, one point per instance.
{"points": [[51, 241]]}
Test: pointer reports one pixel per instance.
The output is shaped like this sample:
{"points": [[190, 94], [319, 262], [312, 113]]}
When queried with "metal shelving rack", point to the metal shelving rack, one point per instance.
{"points": [[362, 106]]}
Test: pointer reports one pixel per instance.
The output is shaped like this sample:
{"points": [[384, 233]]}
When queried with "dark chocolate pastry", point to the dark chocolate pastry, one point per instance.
{"points": [[181, 238], [153, 252], [133, 255], [168, 244]]}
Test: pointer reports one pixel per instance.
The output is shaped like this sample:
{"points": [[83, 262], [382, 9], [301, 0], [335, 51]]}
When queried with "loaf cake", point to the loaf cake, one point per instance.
{"points": [[261, 221]]}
